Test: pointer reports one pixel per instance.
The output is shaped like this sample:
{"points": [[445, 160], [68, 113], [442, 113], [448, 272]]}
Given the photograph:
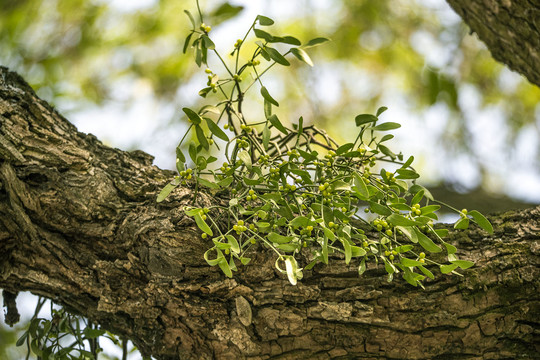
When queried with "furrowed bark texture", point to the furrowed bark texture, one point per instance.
{"points": [[509, 28], [79, 224]]}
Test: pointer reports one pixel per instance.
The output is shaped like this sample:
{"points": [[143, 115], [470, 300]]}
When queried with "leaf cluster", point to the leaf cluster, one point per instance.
{"points": [[296, 191]]}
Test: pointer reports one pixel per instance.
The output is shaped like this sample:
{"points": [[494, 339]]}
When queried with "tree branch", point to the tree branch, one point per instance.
{"points": [[79, 224], [509, 28]]}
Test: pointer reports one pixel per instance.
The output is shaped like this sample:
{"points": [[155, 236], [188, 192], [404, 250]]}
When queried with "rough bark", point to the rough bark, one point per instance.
{"points": [[79, 224], [509, 28]]}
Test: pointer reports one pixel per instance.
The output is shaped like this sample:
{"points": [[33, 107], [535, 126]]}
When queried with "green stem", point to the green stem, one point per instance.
{"points": [[199, 10]]}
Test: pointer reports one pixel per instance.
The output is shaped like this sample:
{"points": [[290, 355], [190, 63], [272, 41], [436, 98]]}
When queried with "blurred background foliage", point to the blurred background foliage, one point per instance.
{"points": [[115, 68]]}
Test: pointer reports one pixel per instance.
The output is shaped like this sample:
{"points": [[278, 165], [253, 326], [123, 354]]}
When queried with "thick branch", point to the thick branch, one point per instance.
{"points": [[509, 28], [80, 225]]}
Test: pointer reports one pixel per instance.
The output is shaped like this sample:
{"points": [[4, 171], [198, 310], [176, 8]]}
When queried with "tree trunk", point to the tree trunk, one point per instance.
{"points": [[509, 28], [79, 224]]}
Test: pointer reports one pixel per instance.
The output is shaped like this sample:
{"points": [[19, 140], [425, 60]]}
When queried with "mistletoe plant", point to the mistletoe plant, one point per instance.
{"points": [[294, 189]]}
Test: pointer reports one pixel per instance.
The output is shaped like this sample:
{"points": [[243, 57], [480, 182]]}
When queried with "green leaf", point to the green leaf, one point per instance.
{"points": [[165, 192], [186, 43], [263, 226], [462, 223], [348, 251], [209, 108], [226, 182], [329, 234], [213, 262], [400, 220], [280, 239], [409, 262], [300, 221], [232, 265], [180, 155], [415, 188], [207, 183], [225, 267], [381, 110], [22, 339], [205, 91], [344, 148], [413, 278], [481, 221], [216, 130], [264, 21], [445, 269], [268, 97], [408, 232], [418, 197], [292, 269], [441, 233], [287, 247], [235, 247], [245, 158], [208, 43], [464, 264], [324, 247], [429, 209], [379, 209], [261, 34], [252, 182], [302, 56], [386, 151], [274, 120], [277, 57], [389, 267], [316, 42], [262, 214], [192, 116], [266, 136], [276, 197], [451, 249], [340, 185], [245, 260], [291, 40], [357, 251], [426, 242], [191, 19], [407, 174], [362, 267], [93, 333], [198, 55], [264, 54], [364, 119], [386, 126], [360, 187], [426, 272], [308, 156], [35, 347], [202, 224], [225, 12], [201, 137], [408, 162], [192, 211]]}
